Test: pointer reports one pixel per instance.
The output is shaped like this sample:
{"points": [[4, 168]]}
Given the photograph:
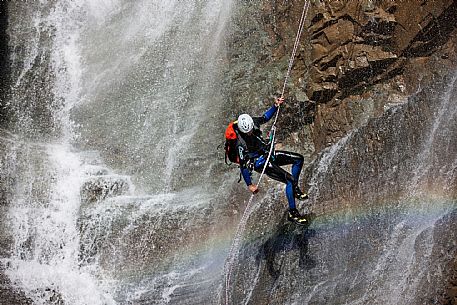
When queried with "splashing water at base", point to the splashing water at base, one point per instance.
{"points": [[44, 260]]}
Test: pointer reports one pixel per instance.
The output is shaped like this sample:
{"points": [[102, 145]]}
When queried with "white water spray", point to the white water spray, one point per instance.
{"points": [[44, 260]]}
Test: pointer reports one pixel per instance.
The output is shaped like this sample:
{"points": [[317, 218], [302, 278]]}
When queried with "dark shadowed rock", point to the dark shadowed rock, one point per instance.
{"points": [[4, 63]]}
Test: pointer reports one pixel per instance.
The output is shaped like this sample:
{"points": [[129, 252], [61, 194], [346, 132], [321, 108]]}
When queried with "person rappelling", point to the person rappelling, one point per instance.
{"points": [[245, 146]]}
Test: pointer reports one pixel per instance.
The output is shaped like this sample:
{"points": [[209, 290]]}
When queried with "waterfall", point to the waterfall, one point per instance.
{"points": [[44, 259], [151, 87], [47, 172], [108, 150]]}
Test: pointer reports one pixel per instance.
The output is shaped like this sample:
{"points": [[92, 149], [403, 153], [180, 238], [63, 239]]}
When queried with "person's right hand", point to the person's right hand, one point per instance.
{"points": [[253, 188], [279, 101]]}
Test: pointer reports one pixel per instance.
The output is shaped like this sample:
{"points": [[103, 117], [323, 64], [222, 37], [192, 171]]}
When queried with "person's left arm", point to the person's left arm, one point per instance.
{"points": [[270, 112]]}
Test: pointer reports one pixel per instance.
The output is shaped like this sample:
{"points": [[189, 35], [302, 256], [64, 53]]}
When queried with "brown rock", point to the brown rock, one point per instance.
{"points": [[340, 32], [332, 58], [372, 53], [413, 16], [318, 51], [452, 292], [335, 6], [328, 123], [322, 91], [383, 16], [359, 62]]}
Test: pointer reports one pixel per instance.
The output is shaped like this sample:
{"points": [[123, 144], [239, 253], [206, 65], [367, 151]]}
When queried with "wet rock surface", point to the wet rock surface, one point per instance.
{"points": [[99, 188], [382, 208], [362, 200], [260, 42], [356, 58], [31, 104]]}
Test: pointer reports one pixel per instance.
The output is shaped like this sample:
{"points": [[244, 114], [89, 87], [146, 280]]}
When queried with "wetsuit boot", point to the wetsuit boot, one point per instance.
{"points": [[294, 216], [299, 194]]}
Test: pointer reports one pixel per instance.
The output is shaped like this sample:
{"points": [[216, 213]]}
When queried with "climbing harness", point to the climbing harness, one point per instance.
{"points": [[234, 249]]}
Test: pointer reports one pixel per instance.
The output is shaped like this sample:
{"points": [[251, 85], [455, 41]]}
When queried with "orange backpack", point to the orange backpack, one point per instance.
{"points": [[230, 144]]}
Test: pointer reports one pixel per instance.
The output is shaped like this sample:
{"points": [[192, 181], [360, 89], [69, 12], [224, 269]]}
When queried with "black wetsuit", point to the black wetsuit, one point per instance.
{"points": [[253, 151]]}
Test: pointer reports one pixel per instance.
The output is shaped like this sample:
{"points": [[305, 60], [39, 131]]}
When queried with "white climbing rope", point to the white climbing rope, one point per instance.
{"points": [[234, 249], [296, 44]]}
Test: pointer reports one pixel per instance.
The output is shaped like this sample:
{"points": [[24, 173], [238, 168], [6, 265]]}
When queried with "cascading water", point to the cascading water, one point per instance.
{"points": [[151, 85], [124, 93], [46, 172], [44, 259]]}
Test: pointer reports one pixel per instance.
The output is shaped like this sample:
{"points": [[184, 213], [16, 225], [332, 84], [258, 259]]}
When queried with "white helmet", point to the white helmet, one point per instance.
{"points": [[245, 123]]}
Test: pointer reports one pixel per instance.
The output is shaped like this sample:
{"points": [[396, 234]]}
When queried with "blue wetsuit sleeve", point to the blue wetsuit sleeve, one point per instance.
{"points": [[270, 112], [246, 175], [244, 171]]}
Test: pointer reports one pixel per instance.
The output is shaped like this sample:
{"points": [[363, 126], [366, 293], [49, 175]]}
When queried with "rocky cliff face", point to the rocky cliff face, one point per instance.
{"points": [[374, 81], [7, 294], [28, 110], [356, 59], [364, 51], [259, 46], [384, 197]]}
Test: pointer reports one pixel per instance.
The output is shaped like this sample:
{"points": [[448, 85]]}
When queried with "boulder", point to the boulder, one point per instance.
{"points": [[98, 188]]}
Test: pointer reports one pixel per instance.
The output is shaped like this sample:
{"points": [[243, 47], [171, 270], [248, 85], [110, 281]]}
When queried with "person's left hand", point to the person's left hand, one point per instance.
{"points": [[253, 188], [279, 101]]}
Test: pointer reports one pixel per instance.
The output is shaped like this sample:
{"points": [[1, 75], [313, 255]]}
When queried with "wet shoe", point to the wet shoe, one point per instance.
{"points": [[294, 216], [299, 194]]}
